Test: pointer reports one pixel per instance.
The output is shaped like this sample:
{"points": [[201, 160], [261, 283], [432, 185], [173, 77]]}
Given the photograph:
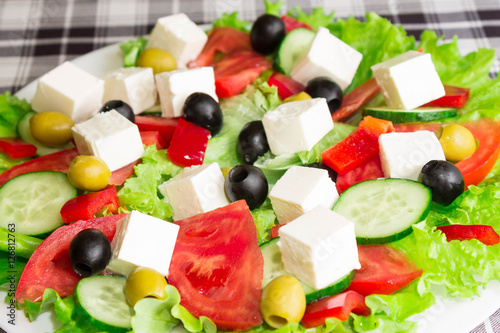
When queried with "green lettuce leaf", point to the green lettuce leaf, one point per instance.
{"points": [[63, 307], [141, 192], [264, 218], [11, 269], [317, 18], [274, 8], [6, 162], [12, 109], [232, 21], [17, 244], [131, 50]]}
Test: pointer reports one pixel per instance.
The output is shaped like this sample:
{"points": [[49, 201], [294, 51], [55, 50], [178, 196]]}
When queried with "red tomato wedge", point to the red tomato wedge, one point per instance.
{"points": [[235, 71], [17, 148], [150, 138], [476, 167], [286, 85], [217, 267], [164, 126], [275, 230], [384, 270], [222, 40], [118, 177], [339, 306], [483, 233], [356, 98], [292, 24], [372, 169], [85, 206], [359, 147], [455, 97], [49, 265]]}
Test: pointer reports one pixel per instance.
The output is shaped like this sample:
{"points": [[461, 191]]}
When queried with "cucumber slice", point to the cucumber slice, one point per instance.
{"points": [[273, 267], [384, 210], [23, 127], [101, 300], [33, 201], [293, 45], [409, 116]]}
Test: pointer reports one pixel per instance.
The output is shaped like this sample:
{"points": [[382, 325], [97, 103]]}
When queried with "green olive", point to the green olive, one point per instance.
{"points": [[457, 142], [88, 173], [283, 301], [159, 60], [301, 96], [144, 282], [51, 128]]}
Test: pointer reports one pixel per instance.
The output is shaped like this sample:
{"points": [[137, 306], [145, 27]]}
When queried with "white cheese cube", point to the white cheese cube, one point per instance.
{"points": [[319, 247], [142, 241], [297, 126], [327, 56], [178, 35], [403, 155], [133, 85], [111, 137], [69, 90], [408, 80], [300, 190], [195, 190], [175, 86]]}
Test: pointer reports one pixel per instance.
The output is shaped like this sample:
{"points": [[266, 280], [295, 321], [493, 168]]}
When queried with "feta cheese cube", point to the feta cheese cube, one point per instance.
{"points": [[195, 190], [300, 190], [178, 35], [69, 90], [408, 80], [142, 241], [133, 85], [403, 155], [175, 86], [327, 56], [319, 247], [111, 137], [297, 126]]}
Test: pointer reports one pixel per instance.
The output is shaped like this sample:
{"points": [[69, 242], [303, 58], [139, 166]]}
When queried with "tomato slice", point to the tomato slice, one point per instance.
{"points": [[286, 85], [292, 24], [217, 267], [235, 71], [49, 265], [85, 206], [339, 306], [150, 138], [356, 98], [372, 169], [483, 233], [384, 270], [17, 148], [476, 167], [222, 40]]}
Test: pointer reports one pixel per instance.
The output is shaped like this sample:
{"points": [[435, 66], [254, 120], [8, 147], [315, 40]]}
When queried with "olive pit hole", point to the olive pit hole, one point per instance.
{"points": [[239, 175]]}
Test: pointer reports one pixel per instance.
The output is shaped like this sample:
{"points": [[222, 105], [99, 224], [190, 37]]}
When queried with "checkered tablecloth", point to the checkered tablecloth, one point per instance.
{"points": [[36, 36]]}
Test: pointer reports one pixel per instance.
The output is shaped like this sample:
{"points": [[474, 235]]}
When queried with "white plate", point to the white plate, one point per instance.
{"points": [[456, 315]]}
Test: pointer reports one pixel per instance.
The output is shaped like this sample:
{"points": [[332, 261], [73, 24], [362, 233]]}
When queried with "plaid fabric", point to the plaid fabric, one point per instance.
{"points": [[36, 36]]}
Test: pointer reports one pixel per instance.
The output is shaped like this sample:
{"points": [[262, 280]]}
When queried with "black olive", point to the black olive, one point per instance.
{"points": [[444, 179], [202, 110], [248, 183], [328, 89], [267, 33], [252, 142], [331, 173], [89, 252], [121, 107]]}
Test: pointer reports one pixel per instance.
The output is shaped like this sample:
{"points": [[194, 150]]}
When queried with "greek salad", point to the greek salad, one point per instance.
{"points": [[301, 172]]}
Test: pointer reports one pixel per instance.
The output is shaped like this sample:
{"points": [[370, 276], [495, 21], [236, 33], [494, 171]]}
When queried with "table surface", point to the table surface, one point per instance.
{"points": [[36, 36]]}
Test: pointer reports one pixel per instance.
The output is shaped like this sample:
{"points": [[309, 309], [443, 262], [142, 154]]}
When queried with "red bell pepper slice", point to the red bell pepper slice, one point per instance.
{"points": [[455, 97], [49, 265], [372, 169], [17, 148], [483, 233], [286, 85], [339, 306], [164, 126], [356, 98], [292, 24], [84, 207], [384, 270], [359, 147], [188, 144], [150, 138]]}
